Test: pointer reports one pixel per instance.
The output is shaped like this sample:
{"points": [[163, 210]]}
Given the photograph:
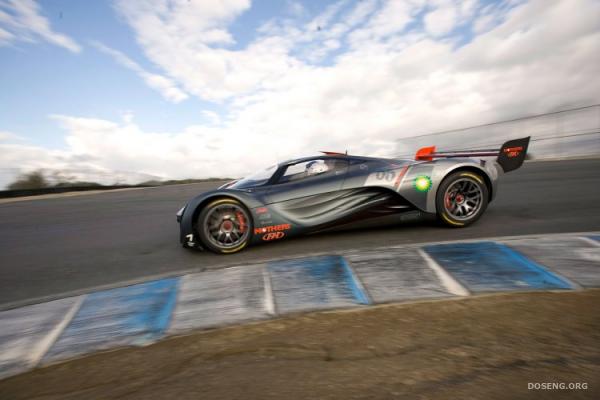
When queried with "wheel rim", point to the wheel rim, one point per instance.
{"points": [[463, 198], [226, 225]]}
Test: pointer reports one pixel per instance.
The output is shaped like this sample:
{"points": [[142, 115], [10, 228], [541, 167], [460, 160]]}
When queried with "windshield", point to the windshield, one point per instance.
{"points": [[256, 179]]}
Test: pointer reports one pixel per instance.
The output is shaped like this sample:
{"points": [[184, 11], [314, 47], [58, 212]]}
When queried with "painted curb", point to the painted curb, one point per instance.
{"points": [[144, 313]]}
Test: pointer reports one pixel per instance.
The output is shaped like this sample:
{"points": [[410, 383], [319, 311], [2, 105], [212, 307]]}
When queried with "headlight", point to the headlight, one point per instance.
{"points": [[180, 213]]}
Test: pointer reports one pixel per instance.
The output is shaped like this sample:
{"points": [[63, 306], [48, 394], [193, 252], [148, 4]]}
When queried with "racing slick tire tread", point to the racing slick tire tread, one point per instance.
{"points": [[446, 218], [206, 243]]}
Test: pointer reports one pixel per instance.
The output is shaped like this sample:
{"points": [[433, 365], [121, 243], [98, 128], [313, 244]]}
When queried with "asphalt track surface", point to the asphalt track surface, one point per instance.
{"points": [[51, 248]]}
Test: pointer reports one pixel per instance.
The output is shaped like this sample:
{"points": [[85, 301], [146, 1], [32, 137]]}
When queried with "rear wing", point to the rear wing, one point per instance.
{"points": [[510, 156]]}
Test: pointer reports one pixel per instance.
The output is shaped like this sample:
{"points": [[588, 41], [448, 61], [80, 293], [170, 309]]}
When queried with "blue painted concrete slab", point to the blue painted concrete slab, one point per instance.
{"points": [[132, 315], [490, 267], [575, 259], [595, 237], [314, 283]]}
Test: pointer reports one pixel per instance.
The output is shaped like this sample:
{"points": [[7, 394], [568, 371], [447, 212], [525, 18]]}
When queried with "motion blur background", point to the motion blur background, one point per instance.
{"points": [[131, 91]]}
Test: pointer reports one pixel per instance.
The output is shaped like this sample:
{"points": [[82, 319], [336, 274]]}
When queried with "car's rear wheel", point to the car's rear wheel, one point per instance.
{"points": [[224, 226], [461, 199]]}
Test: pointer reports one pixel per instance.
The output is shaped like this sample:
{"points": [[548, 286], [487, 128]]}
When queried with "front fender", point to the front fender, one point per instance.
{"points": [[187, 224]]}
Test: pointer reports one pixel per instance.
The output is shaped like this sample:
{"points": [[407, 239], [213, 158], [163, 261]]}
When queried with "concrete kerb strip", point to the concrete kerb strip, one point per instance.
{"points": [[361, 292], [132, 315], [590, 241], [451, 284], [314, 283], [73, 293], [247, 293], [385, 282], [221, 297], [270, 305], [575, 259], [48, 341], [29, 332], [491, 267]]}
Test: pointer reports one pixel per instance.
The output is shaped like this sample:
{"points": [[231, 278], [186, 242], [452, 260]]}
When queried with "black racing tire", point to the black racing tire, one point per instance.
{"points": [[224, 226], [461, 199]]}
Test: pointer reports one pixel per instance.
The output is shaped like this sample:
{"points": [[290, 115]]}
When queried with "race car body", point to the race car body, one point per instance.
{"points": [[335, 190]]}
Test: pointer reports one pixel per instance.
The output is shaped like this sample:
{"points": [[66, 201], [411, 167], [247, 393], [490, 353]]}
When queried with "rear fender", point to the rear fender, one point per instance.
{"points": [[420, 183], [487, 174]]}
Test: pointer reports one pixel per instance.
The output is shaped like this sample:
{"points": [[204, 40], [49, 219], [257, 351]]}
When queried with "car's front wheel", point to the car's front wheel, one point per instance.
{"points": [[461, 199], [224, 226]]}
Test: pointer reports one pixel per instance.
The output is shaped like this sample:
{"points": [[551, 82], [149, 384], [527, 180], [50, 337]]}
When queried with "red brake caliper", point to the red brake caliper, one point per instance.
{"points": [[448, 201], [240, 217]]}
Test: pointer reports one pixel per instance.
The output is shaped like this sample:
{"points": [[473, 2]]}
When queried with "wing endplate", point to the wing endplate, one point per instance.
{"points": [[512, 154]]}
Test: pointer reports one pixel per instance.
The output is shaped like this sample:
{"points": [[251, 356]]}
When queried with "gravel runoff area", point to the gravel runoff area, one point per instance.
{"points": [[483, 347]]}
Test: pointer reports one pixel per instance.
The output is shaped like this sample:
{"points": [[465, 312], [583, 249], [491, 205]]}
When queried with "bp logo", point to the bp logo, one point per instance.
{"points": [[422, 183]]}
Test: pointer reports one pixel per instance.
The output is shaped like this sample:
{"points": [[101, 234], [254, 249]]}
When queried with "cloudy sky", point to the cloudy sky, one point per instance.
{"points": [[123, 90]]}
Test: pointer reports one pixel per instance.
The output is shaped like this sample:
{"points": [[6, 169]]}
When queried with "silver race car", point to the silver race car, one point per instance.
{"points": [[336, 190]]}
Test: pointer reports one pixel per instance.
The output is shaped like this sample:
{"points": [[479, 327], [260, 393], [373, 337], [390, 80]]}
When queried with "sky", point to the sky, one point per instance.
{"points": [[123, 91]]}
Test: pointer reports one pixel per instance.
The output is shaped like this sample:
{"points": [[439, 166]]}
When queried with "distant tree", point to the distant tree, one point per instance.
{"points": [[30, 180], [76, 184], [59, 178]]}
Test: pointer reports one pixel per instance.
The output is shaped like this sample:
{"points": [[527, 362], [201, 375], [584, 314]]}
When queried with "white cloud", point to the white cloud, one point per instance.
{"points": [[186, 39], [95, 147], [6, 136], [388, 80], [5, 37], [484, 23], [21, 20], [391, 18], [16, 159], [212, 117], [442, 19], [295, 8], [360, 13], [165, 86], [467, 8]]}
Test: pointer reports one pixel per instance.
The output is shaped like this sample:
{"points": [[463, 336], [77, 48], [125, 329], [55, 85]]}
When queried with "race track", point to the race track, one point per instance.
{"points": [[54, 247]]}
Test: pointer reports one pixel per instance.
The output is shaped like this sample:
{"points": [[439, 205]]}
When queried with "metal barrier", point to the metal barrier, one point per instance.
{"points": [[562, 134], [63, 189]]}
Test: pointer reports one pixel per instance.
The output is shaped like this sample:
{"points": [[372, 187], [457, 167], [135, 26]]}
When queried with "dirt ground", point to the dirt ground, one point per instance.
{"points": [[487, 347]]}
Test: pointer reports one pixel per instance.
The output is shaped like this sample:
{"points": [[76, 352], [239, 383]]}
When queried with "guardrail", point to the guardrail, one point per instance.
{"points": [[4, 194], [560, 134]]}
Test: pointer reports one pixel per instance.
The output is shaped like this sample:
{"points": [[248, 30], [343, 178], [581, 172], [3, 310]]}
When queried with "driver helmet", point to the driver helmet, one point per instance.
{"points": [[316, 167]]}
